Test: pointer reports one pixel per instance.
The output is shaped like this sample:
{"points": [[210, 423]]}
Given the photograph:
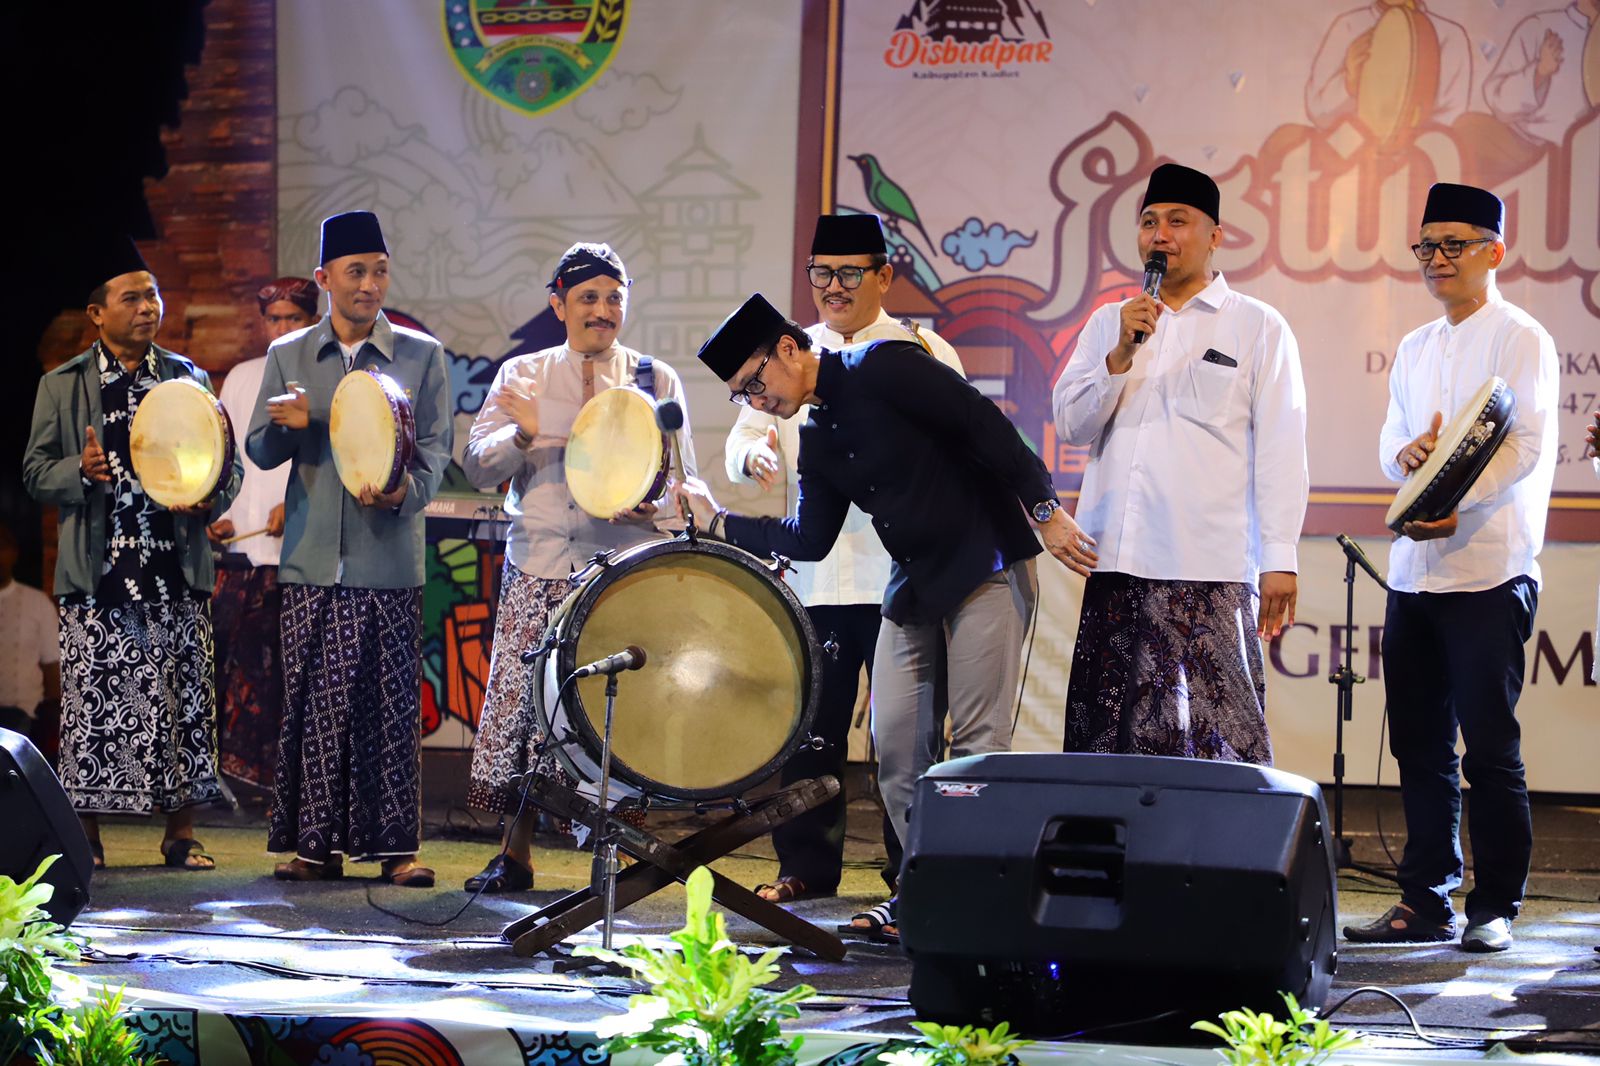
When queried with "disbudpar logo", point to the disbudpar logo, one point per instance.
{"points": [[533, 55], [945, 39]]}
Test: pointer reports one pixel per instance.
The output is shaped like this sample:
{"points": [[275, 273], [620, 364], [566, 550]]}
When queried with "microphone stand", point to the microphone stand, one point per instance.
{"points": [[1345, 680], [603, 872]]}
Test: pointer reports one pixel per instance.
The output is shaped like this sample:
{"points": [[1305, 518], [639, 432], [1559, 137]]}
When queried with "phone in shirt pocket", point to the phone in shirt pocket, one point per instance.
{"points": [[1207, 394]]}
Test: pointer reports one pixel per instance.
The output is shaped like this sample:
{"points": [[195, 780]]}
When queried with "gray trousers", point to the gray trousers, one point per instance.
{"points": [[983, 640]]}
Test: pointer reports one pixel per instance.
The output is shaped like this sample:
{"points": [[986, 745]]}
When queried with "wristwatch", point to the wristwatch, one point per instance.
{"points": [[1045, 510]]}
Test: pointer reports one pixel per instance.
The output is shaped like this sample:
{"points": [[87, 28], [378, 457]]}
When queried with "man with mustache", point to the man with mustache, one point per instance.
{"points": [[346, 783], [850, 274], [520, 437], [138, 710], [1463, 589], [246, 608], [1194, 411]]}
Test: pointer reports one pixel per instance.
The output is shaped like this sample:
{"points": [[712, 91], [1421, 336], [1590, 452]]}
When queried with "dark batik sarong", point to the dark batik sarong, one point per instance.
{"points": [[348, 750], [508, 729], [1168, 668], [137, 714], [245, 610]]}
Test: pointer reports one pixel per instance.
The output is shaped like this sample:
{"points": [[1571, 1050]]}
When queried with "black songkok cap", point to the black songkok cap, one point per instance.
{"points": [[1464, 203], [740, 336], [584, 261], [1174, 184], [849, 235], [352, 233], [111, 259]]}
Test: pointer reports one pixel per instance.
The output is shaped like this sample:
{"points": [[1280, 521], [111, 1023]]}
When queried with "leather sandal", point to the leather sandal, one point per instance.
{"points": [[182, 853], [414, 875], [788, 889], [298, 869], [1401, 925], [503, 874]]}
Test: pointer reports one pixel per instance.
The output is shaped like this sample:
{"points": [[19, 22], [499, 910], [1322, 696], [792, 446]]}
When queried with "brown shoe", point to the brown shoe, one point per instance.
{"points": [[1401, 925], [302, 870], [406, 873]]}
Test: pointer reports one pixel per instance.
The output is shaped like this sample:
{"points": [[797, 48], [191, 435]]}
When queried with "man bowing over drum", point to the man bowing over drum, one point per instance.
{"points": [[138, 710], [351, 572], [521, 436], [1463, 589], [950, 486]]}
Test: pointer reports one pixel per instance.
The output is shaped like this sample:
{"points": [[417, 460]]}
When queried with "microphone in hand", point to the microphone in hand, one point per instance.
{"points": [[1155, 268]]}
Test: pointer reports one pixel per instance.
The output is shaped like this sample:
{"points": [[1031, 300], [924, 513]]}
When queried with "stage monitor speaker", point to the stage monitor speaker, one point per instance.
{"points": [[1068, 892], [39, 821]]}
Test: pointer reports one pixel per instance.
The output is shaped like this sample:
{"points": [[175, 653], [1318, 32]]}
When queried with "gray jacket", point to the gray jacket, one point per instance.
{"points": [[67, 403], [328, 536]]}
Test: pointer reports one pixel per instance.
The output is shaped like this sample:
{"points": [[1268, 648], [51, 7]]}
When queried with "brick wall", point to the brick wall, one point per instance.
{"points": [[215, 210]]}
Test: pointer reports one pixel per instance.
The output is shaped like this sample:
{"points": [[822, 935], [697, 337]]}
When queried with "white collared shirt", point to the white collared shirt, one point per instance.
{"points": [[1439, 367], [262, 490], [1197, 466], [857, 569], [29, 646]]}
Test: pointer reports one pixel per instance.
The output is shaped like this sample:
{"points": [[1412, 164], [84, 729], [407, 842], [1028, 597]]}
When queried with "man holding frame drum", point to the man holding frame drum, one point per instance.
{"points": [[351, 572], [523, 436], [138, 710], [1464, 587]]}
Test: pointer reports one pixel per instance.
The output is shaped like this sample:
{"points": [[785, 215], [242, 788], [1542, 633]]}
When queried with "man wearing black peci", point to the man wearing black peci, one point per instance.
{"points": [[1463, 589], [950, 486]]}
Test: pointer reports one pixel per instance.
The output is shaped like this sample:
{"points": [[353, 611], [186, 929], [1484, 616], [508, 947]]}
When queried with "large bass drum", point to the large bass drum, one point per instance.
{"points": [[730, 682]]}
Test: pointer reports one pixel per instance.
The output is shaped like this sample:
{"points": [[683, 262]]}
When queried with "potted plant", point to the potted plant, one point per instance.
{"points": [[1262, 1040]]}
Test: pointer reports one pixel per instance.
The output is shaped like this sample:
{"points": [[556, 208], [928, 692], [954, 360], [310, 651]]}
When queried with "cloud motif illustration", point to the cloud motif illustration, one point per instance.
{"points": [[619, 101], [975, 246], [470, 378], [350, 127]]}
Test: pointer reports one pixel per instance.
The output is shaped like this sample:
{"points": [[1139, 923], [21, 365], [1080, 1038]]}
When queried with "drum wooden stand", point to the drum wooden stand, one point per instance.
{"points": [[662, 863]]}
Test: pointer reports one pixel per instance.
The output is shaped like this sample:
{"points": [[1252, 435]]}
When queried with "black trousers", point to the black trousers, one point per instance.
{"points": [[1453, 661], [811, 847]]}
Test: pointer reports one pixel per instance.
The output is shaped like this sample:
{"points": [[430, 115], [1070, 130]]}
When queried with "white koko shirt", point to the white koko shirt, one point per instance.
{"points": [[1439, 367], [1197, 467], [857, 568]]}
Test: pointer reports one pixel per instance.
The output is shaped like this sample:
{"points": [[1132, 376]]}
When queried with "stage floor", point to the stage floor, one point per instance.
{"points": [[236, 942]]}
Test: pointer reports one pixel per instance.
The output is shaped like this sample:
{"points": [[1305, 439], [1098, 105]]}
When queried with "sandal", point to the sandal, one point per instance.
{"points": [[187, 853], [298, 869], [876, 925], [98, 851], [397, 872], [503, 874], [789, 889]]}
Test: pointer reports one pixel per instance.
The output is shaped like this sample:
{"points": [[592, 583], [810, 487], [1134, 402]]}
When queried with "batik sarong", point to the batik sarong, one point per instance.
{"points": [[137, 713], [348, 749], [1168, 668], [508, 729], [245, 618]]}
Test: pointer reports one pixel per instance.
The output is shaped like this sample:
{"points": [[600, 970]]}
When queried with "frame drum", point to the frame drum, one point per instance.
{"points": [[371, 431], [181, 442], [1591, 65], [1399, 82], [616, 458], [1463, 449], [729, 686]]}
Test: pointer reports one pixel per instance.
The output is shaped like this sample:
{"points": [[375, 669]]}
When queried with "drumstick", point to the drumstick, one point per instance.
{"points": [[244, 536]]}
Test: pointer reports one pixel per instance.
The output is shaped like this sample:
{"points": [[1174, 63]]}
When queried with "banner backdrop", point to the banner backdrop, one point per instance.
{"points": [[1006, 143]]}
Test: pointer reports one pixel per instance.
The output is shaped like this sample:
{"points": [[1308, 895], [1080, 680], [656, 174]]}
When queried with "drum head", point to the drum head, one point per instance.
{"points": [[726, 693], [365, 431], [181, 443], [614, 454], [1399, 80], [1412, 502]]}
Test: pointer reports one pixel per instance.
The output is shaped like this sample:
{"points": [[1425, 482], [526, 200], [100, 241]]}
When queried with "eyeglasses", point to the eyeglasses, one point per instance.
{"points": [[1450, 246], [754, 387], [849, 277]]}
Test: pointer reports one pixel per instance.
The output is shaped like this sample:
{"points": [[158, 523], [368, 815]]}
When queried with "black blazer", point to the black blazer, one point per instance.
{"points": [[943, 473]]}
